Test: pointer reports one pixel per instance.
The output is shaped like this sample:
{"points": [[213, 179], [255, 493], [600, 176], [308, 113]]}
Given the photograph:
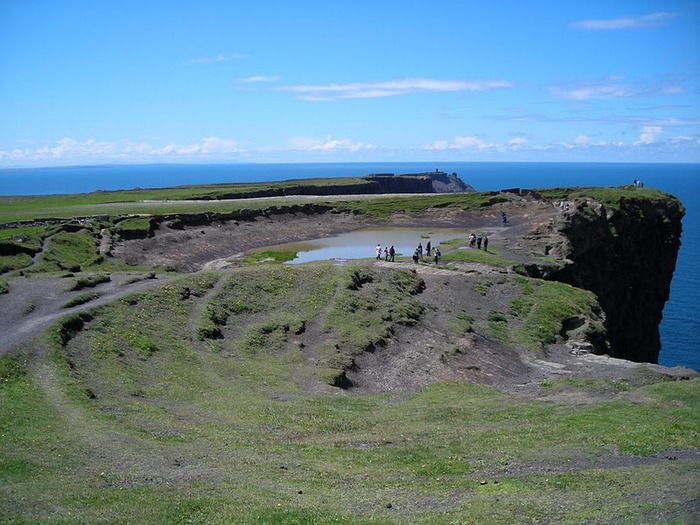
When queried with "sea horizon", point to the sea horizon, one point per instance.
{"points": [[27, 180]]}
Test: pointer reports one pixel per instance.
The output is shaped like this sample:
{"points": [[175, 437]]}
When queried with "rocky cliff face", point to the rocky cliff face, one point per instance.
{"points": [[432, 182], [625, 252]]}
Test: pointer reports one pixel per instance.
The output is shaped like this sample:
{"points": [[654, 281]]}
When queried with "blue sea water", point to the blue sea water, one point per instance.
{"points": [[680, 328]]}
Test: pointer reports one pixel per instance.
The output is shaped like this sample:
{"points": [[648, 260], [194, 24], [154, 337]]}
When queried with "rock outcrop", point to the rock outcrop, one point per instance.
{"points": [[431, 182], [374, 184], [625, 252]]}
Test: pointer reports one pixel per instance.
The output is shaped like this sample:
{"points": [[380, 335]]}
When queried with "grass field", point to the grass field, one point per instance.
{"points": [[220, 397], [133, 418]]}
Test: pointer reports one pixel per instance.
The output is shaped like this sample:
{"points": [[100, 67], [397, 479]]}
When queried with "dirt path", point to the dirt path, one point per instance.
{"points": [[33, 304]]}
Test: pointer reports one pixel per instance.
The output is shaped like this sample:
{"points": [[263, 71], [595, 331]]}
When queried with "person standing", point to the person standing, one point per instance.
{"points": [[378, 250], [392, 252], [486, 243], [437, 254]]}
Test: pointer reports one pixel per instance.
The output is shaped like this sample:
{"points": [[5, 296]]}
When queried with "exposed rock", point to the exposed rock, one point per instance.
{"points": [[626, 256]]}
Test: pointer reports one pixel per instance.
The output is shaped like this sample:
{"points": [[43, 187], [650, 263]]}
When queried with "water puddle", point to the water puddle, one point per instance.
{"points": [[361, 244]]}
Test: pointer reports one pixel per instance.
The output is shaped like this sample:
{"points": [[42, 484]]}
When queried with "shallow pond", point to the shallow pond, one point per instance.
{"points": [[361, 244]]}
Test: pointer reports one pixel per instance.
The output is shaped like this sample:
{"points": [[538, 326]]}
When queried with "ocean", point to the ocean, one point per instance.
{"points": [[680, 328]]}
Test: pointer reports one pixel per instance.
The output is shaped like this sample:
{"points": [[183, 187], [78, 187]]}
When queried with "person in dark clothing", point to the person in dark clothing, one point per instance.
{"points": [[392, 252], [437, 254], [478, 242], [486, 243]]}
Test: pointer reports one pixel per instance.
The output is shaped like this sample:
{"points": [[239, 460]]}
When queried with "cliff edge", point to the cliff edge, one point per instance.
{"points": [[623, 247]]}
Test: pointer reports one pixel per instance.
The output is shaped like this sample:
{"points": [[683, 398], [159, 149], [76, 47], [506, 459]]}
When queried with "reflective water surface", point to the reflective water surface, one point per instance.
{"points": [[361, 244]]}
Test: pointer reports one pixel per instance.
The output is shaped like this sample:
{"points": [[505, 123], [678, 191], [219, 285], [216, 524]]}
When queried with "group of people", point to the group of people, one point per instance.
{"points": [[638, 183], [389, 252], [475, 241], [418, 253]]}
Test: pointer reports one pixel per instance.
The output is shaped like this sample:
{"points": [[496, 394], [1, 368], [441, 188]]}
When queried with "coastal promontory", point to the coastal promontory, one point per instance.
{"points": [[161, 346]]}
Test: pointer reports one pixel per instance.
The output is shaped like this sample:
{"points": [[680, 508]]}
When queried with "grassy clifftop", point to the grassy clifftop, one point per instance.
{"points": [[207, 399], [371, 392]]}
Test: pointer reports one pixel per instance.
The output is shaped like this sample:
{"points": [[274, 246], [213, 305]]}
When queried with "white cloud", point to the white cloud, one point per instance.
{"points": [[649, 134], [71, 151], [518, 142], [612, 88], [258, 79], [460, 142], [213, 145], [68, 147], [600, 91], [209, 146], [682, 139], [640, 22], [582, 144], [327, 144], [390, 88]]}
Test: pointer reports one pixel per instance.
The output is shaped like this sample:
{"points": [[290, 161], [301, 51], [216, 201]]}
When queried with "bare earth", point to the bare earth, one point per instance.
{"points": [[410, 361]]}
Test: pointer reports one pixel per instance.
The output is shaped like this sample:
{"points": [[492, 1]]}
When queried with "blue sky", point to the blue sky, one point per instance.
{"points": [[150, 81]]}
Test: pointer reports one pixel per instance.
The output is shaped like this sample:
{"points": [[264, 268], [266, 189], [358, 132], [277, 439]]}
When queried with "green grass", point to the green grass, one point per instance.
{"points": [[540, 312], [137, 421], [141, 200], [546, 305], [68, 251], [498, 327], [611, 197], [89, 281], [207, 400], [383, 207], [462, 324], [133, 227], [270, 256], [14, 262], [492, 257], [82, 299]]}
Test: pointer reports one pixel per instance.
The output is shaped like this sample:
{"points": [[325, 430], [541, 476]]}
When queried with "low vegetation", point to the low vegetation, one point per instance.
{"points": [[82, 299], [89, 281], [146, 424], [226, 397]]}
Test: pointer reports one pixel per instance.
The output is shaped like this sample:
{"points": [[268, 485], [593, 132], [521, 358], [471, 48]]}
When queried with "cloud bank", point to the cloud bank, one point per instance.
{"points": [[69, 151]]}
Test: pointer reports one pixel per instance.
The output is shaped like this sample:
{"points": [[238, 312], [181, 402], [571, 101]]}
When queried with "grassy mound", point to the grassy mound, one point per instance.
{"points": [[144, 416]]}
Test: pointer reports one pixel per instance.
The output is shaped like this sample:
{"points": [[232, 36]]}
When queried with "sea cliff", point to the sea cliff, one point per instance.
{"points": [[625, 252]]}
